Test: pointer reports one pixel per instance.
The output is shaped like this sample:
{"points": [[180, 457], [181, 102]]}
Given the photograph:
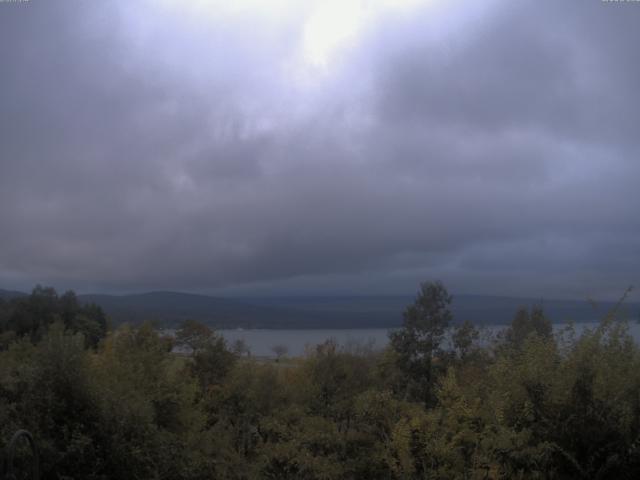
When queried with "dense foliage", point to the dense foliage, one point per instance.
{"points": [[439, 402]]}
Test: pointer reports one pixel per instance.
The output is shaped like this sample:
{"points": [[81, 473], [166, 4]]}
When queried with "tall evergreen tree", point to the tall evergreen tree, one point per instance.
{"points": [[417, 343]]}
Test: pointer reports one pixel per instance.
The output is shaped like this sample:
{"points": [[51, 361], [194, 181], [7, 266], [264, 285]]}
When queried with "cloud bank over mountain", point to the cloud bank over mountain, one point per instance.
{"points": [[336, 146]]}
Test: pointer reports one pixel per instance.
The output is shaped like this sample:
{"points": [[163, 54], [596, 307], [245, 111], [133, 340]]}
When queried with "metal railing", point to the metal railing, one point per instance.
{"points": [[8, 471]]}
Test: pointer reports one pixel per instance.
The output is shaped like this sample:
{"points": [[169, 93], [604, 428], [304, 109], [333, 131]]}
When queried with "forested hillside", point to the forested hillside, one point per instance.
{"points": [[301, 312], [118, 404]]}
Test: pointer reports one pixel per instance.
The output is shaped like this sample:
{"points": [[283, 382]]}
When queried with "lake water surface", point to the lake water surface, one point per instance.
{"points": [[262, 341]]}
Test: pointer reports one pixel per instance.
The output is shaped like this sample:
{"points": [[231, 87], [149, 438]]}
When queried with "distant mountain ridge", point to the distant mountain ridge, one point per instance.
{"points": [[9, 294], [382, 311], [480, 309], [170, 308]]}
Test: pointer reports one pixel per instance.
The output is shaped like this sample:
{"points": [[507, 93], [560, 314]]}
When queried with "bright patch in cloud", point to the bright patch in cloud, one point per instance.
{"points": [[336, 24], [328, 26]]}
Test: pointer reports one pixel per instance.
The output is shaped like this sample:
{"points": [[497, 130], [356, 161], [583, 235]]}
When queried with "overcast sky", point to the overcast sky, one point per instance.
{"points": [[351, 146]]}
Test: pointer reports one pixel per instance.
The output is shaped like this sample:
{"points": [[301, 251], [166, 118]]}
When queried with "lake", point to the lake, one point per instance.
{"points": [[262, 341]]}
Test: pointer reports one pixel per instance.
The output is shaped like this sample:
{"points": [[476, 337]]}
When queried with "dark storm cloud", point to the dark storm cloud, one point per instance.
{"points": [[142, 150]]}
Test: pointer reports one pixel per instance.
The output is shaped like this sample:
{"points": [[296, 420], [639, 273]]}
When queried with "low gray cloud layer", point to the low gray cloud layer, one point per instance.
{"points": [[495, 147]]}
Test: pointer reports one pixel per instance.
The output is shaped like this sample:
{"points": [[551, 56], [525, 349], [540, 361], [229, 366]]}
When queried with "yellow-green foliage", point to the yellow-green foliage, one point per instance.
{"points": [[532, 406]]}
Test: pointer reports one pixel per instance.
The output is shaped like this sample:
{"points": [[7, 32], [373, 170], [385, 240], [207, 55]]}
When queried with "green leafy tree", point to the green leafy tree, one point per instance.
{"points": [[526, 323], [33, 315], [417, 343], [211, 359], [193, 336], [464, 338], [212, 362]]}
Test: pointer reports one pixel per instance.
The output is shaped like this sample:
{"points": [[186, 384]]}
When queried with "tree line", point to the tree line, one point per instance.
{"points": [[119, 403]]}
